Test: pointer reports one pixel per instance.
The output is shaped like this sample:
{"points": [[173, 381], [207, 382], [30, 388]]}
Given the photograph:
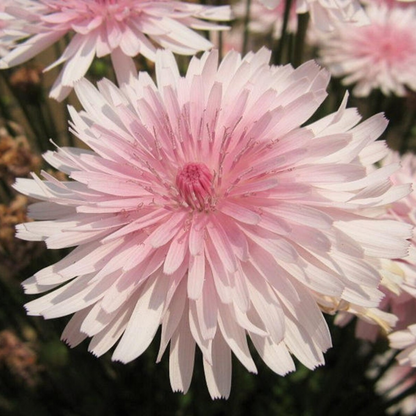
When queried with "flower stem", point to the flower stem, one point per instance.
{"points": [[303, 21], [278, 52], [246, 28]]}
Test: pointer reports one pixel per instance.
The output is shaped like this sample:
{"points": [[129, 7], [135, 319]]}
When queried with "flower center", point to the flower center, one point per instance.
{"points": [[106, 2], [194, 182]]}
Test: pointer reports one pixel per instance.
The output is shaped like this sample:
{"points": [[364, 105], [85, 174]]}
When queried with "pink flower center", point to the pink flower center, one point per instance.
{"points": [[393, 45], [90, 14], [194, 183], [106, 2]]}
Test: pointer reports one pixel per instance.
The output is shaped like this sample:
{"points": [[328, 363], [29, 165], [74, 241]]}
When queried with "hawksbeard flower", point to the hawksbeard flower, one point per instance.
{"points": [[397, 309], [394, 383], [205, 208], [119, 28], [381, 55], [325, 14], [390, 3]]}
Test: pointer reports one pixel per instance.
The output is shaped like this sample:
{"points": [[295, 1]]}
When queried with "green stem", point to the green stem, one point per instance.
{"points": [[278, 52], [5, 192], [220, 45], [303, 21], [246, 28]]}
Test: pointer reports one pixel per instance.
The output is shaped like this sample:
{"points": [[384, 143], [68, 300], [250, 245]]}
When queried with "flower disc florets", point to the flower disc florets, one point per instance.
{"points": [[206, 208], [194, 182]]}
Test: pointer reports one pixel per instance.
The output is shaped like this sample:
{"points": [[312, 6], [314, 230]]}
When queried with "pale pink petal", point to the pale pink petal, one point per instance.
{"points": [[218, 374]]}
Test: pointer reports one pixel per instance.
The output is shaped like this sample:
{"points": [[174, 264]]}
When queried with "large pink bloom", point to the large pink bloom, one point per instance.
{"points": [[381, 55], [205, 208], [122, 28]]}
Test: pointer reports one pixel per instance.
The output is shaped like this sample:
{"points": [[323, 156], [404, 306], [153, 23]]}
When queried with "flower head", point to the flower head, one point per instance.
{"points": [[397, 309], [120, 28], [381, 55], [327, 13], [394, 383], [405, 210], [205, 208]]}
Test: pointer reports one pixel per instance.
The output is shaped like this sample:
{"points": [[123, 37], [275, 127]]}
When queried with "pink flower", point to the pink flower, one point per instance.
{"points": [[120, 28], [390, 3], [405, 210], [326, 13], [395, 382], [398, 307], [205, 208], [381, 55], [404, 373]]}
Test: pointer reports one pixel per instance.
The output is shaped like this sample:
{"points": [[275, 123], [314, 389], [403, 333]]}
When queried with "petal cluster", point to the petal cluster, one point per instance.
{"points": [[378, 56], [208, 208], [120, 28], [11, 30]]}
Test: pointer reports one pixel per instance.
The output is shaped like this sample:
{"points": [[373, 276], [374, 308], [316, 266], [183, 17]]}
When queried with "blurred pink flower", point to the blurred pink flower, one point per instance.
{"points": [[326, 13], [403, 376], [395, 382], [390, 3], [381, 55], [205, 208], [120, 28]]}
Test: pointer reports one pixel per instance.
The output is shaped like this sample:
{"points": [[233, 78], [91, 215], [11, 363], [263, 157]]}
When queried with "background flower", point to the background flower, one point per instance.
{"points": [[326, 13], [120, 28], [379, 56], [394, 383], [205, 208]]}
